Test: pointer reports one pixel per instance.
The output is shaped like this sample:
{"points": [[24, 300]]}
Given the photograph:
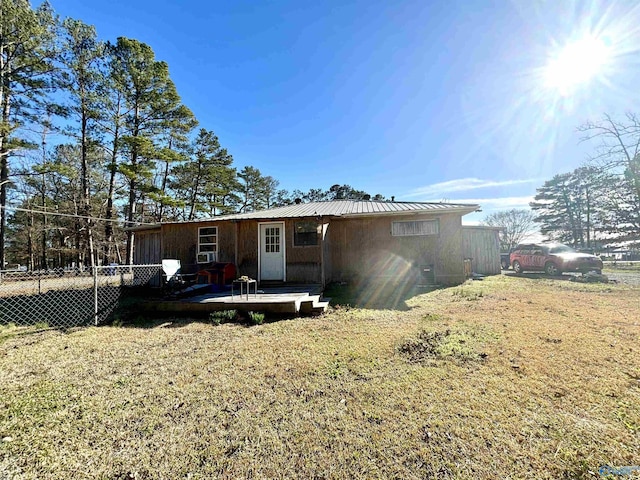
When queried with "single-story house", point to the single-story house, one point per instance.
{"points": [[320, 242]]}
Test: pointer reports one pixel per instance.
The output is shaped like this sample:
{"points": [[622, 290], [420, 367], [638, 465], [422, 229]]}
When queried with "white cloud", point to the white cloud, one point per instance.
{"points": [[502, 203], [463, 185], [499, 202]]}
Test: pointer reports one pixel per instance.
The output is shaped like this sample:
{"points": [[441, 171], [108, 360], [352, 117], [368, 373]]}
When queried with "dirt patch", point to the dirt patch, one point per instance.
{"points": [[459, 344]]}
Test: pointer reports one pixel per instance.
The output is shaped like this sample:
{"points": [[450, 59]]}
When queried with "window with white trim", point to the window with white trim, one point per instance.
{"points": [[415, 228], [207, 244]]}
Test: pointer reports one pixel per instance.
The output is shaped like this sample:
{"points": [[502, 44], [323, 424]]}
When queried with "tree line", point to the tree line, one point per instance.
{"points": [[595, 205], [94, 138]]}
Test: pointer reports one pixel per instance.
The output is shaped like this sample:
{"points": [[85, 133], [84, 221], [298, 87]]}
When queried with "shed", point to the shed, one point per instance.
{"points": [[482, 245]]}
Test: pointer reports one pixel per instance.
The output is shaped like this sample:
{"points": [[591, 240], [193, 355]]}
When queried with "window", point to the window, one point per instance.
{"points": [[406, 229], [207, 244], [272, 240], [305, 233]]}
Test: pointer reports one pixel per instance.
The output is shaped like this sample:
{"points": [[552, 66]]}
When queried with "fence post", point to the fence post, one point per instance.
{"points": [[95, 295]]}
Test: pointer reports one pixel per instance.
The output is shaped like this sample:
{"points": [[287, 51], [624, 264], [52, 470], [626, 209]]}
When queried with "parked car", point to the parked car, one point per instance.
{"points": [[552, 258]]}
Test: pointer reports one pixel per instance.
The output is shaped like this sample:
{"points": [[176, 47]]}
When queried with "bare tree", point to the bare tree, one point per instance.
{"points": [[516, 225], [619, 140], [617, 152]]}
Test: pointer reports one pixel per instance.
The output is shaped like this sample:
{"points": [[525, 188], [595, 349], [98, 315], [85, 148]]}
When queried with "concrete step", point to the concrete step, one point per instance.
{"points": [[319, 307], [307, 303]]}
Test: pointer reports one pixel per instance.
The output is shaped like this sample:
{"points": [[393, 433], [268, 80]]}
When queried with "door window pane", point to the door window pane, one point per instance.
{"points": [[272, 240]]}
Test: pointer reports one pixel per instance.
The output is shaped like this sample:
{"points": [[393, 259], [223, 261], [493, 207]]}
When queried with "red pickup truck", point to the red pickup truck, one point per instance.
{"points": [[552, 258]]}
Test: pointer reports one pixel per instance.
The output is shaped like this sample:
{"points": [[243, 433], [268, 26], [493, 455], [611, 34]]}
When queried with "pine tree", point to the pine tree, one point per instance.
{"points": [[26, 52], [252, 190], [82, 78], [152, 103], [570, 206], [175, 151], [206, 178]]}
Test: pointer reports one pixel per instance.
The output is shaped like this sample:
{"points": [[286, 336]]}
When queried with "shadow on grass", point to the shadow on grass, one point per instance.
{"points": [[143, 319], [372, 295], [375, 295], [573, 277], [540, 276], [124, 309]]}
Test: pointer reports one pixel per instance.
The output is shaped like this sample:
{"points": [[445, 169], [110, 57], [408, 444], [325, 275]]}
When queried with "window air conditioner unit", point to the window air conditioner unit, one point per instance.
{"points": [[207, 257]]}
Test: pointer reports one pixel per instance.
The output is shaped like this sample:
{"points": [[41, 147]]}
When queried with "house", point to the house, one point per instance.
{"points": [[320, 242]]}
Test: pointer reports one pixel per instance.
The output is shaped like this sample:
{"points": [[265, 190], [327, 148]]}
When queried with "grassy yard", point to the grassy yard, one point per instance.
{"points": [[505, 378]]}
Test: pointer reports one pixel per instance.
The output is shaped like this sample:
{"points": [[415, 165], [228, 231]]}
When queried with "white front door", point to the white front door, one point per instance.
{"points": [[272, 251]]}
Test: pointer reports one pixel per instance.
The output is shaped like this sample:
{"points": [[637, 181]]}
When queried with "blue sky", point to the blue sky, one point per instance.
{"points": [[423, 100]]}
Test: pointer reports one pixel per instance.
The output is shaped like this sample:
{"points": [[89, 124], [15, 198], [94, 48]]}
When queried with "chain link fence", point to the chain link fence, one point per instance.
{"points": [[64, 298]]}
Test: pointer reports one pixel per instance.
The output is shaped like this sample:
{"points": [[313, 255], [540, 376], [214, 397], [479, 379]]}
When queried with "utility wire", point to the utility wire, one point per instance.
{"points": [[43, 212]]}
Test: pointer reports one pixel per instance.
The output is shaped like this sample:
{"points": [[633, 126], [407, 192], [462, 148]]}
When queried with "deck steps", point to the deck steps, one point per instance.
{"points": [[296, 300], [314, 305], [320, 307], [307, 303]]}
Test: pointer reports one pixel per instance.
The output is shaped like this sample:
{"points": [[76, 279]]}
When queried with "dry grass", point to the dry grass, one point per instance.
{"points": [[27, 285], [506, 378]]}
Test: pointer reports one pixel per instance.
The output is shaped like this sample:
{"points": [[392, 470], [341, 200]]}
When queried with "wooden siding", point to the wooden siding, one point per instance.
{"points": [[248, 248], [352, 248], [326, 253], [303, 262], [180, 241], [147, 250], [482, 245], [363, 248], [147, 247]]}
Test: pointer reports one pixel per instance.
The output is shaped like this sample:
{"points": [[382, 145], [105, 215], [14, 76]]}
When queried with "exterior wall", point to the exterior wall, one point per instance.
{"points": [[248, 248], [147, 247], [363, 248], [181, 241], [482, 245], [352, 248], [147, 250], [326, 253], [303, 262]]}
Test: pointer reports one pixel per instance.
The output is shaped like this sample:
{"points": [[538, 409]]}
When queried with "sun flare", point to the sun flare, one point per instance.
{"points": [[576, 64]]}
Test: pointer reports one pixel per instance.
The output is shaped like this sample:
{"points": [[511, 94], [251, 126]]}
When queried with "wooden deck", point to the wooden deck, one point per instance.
{"points": [[286, 299]]}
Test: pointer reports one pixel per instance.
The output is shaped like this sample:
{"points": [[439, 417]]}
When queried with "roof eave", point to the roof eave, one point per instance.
{"points": [[142, 228], [462, 210]]}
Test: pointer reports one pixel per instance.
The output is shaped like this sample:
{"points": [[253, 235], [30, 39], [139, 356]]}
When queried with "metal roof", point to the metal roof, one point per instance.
{"points": [[342, 208]]}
